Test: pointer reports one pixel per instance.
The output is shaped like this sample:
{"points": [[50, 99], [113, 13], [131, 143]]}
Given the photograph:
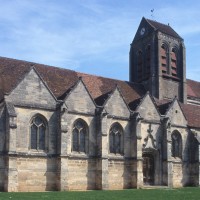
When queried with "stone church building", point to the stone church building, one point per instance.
{"points": [[65, 130]]}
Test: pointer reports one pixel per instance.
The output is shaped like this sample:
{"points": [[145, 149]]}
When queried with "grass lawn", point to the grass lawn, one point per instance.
{"points": [[133, 194]]}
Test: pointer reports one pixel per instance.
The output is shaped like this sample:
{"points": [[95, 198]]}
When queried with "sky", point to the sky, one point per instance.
{"points": [[92, 36]]}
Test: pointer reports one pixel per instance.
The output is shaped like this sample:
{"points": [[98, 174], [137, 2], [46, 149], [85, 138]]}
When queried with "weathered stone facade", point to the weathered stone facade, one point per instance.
{"points": [[62, 130]]}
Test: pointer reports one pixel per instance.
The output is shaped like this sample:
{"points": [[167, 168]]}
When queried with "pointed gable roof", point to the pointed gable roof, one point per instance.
{"points": [[100, 88], [191, 112], [120, 93], [116, 105], [140, 102], [13, 71], [70, 90], [164, 28], [171, 105]]}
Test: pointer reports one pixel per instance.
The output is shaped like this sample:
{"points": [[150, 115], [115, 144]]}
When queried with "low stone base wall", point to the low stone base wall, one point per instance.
{"points": [[78, 174], [33, 174], [37, 174], [119, 174]]}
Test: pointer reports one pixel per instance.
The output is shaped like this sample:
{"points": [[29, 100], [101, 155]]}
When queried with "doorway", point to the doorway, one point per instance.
{"points": [[148, 169]]}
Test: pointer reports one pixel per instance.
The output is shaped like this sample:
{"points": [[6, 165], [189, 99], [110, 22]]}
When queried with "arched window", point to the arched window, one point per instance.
{"points": [[140, 66], [148, 62], [164, 59], [174, 61], [79, 136], [116, 139], [38, 132], [176, 144]]}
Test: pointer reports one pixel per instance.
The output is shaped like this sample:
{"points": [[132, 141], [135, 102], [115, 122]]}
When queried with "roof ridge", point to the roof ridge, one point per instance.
{"points": [[36, 63], [62, 68], [98, 76], [193, 80], [158, 22], [108, 78], [164, 28]]}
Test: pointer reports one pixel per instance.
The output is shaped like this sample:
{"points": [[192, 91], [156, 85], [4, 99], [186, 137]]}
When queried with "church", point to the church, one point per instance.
{"points": [[65, 130]]}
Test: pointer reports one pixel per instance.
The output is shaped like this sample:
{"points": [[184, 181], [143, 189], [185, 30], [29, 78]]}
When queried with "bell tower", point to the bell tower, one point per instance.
{"points": [[157, 60]]}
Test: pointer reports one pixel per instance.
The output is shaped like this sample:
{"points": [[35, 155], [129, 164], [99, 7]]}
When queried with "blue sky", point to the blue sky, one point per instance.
{"points": [[92, 36]]}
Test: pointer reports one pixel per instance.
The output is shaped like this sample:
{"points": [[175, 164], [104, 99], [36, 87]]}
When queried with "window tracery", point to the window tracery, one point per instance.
{"points": [[38, 133], [176, 144], [79, 136], [116, 139]]}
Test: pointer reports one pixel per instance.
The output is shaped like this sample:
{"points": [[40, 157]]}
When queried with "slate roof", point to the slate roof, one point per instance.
{"points": [[164, 28]]}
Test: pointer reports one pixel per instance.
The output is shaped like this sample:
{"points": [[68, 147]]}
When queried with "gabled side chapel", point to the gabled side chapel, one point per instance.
{"points": [[65, 130]]}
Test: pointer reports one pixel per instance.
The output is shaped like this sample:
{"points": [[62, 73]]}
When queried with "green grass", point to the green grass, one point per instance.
{"points": [[151, 194]]}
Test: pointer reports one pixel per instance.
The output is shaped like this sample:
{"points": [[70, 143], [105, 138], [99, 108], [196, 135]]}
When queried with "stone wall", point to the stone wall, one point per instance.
{"points": [[116, 106], [177, 178], [79, 100], [119, 174], [37, 174], [32, 92], [66, 137], [81, 174], [24, 116]]}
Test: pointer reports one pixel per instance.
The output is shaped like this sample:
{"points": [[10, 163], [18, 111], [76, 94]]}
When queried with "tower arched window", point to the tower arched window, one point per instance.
{"points": [[176, 144], [174, 61], [164, 59], [38, 132], [148, 61], [139, 66], [116, 140], [79, 136]]}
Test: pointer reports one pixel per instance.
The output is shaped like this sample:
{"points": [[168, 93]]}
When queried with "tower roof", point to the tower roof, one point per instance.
{"points": [[167, 29]]}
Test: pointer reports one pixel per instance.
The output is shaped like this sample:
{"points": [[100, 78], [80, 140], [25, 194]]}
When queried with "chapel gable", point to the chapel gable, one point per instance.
{"points": [[79, 99], [116, 105], [147, 109], [176, 114], [32, 91]]}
